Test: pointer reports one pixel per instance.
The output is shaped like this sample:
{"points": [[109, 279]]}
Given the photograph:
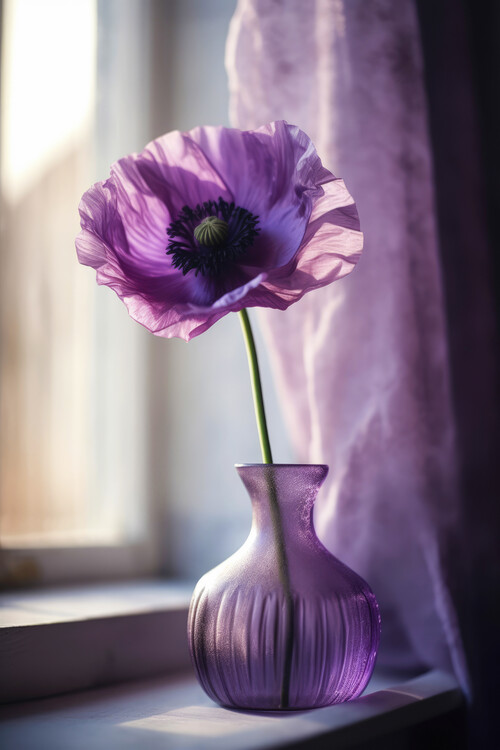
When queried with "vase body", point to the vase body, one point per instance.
{"points": [[283, 624]]}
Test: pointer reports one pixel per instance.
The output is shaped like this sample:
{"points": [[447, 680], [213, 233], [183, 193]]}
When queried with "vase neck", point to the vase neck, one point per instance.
{"points": [[292, 488]]}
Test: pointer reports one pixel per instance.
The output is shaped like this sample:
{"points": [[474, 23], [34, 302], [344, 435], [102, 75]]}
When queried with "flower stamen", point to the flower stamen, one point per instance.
{"points": [[210, 237], [211, 232]]}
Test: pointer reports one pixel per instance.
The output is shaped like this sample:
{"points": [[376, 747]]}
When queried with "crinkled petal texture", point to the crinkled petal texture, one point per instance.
{"points": [[309, 230]]}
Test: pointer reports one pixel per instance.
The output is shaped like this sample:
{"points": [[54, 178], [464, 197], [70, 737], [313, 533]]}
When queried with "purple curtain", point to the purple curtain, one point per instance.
{"points": [[462, 77], [391, 375], [363, 365]]}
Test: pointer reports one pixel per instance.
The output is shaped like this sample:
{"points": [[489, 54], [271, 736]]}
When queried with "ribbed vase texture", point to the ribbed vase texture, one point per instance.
{"points": [[283, 624]]}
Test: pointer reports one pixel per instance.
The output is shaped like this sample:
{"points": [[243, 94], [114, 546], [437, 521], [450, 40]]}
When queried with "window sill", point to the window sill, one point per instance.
{"points": [[173, 712], [75, 639], [63, 639]]}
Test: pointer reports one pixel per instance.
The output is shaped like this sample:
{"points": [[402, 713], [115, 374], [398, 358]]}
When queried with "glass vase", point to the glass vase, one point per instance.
{"points": [[283, 624]]}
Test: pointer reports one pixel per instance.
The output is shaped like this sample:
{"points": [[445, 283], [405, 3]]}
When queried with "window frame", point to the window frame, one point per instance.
{"points": [[124, 40]]}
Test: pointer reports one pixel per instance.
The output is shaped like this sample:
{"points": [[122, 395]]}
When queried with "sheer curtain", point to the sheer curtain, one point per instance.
{"points": [[363, 365], [391, 375]]}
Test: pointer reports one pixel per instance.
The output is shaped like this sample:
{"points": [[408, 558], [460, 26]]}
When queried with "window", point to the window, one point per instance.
{"points": [[72, 468], [102, 423]]}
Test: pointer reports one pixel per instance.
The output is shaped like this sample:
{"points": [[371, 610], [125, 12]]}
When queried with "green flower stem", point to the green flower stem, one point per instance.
{"points": [[281, 553], [258, 398]]}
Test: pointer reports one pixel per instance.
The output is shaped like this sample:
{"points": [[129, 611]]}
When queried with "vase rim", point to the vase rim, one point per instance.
{"points": [[282, 466]]}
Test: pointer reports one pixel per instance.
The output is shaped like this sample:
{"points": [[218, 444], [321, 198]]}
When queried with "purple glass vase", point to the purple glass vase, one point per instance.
{"points": [[283, 624]]}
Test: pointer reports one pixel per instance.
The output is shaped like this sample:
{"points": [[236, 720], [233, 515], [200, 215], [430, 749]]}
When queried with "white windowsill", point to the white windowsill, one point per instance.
{"points": [[70, 639], [57, 640], [45, 606]]}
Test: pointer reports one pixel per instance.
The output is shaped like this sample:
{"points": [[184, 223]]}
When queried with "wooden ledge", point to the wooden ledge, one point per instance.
{"points": [[63, 639]]}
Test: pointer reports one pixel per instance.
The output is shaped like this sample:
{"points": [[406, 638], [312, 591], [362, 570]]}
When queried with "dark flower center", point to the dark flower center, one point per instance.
{"points": [[210, 237]]}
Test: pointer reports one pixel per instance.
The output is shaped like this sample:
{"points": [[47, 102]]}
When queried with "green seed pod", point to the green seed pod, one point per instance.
{"points": [[211, 232]]}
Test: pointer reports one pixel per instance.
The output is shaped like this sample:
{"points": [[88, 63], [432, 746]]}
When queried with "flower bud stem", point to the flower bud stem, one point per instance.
{"points": [[258, 398], [281, 552]]}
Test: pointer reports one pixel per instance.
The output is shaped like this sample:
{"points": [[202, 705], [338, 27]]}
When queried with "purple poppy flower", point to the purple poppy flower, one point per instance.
{"points": [[211, 221]]}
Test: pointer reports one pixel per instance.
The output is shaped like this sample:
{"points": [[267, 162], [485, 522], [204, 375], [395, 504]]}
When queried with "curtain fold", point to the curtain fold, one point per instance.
{"points": [[362, 366], [462, 76]]}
